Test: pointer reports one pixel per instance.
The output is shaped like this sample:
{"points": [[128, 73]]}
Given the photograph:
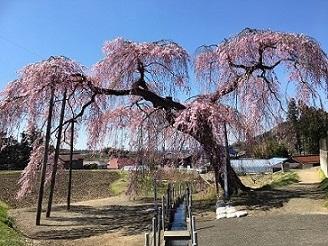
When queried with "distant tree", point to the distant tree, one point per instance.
{"points": [[15, 154], [25, 147], [8, 154], [114, 152], [268, 148], [293, 121], [277, 149], [314, 126]]}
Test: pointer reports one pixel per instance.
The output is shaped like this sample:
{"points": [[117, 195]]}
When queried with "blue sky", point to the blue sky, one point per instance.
{"points": [[32, 30]]}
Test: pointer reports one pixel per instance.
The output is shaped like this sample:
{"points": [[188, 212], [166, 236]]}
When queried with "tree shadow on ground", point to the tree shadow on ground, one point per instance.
{"points": [[86, 221], [266, 199]]}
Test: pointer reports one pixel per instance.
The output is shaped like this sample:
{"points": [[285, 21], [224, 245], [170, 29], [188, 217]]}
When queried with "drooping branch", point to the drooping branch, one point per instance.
{"points": [[245, 62]]}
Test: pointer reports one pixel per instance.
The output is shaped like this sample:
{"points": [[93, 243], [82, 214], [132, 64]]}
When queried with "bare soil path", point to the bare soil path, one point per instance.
{"points": [[276, 216], [110, 221], [309, 175]]}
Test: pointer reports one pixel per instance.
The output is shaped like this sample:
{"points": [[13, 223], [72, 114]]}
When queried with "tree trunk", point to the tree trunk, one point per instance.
{"points": [[56, 158], [216, 155], [203, 135], [234, 181]]}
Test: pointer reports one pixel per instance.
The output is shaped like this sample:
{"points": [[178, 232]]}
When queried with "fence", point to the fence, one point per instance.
{"points": [[162, 231]]}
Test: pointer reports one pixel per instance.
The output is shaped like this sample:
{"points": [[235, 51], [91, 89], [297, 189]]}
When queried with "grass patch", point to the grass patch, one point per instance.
{"points": [[280, 179], [8, 236], [120, 185], [207, 194], [145, 186], [324, 184], [322, 175], [325, 204]]}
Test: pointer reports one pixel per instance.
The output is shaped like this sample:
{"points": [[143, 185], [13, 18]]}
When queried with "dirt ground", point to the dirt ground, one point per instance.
{"points": [[303, 198], [119, 221], [110, 221], [86, 185], [309, 175]]}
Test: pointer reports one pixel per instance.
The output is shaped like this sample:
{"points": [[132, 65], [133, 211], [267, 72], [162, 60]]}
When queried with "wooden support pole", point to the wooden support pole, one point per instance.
{"points": [[155, 194], [69, 188], [190, 222], [56, 157], [168, 197], [163, 213], [167, 203], [180, 190], [189, 194], [226, 163], [45, 158], [171, 194], [190, 197]]}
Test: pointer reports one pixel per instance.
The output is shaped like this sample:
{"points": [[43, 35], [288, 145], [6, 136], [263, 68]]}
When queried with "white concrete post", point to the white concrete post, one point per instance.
{"points": [[147, 239], [193, 229], [190, 223], [159, 215], [195, 243], [154, 231], [193, 223]]}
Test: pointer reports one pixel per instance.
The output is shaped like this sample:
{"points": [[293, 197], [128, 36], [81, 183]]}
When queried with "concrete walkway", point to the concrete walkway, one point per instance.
{"points": [[291, 230], [294, 215]]}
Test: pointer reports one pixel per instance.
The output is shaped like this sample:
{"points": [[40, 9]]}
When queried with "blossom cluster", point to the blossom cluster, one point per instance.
{"points": [[240, 74], [165, 63], [301, 56]]}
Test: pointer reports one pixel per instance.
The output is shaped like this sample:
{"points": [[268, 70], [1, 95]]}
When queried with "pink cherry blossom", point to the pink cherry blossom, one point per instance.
{"points": [[165, 65], [133, 90]]}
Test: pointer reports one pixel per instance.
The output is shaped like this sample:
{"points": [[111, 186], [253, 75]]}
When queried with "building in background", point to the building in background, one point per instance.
{"points": [[252, 166], [305, 161], [77, 160], [120, 162]]}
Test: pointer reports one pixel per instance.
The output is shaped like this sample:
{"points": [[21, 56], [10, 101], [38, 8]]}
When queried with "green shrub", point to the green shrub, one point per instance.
{"points": [[120, 185], [324, 184], [91, 166], [280, 179], [8, 236]]}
